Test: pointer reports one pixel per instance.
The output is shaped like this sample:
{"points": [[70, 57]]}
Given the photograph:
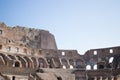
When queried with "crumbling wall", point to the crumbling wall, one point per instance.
{"points": [[33, 38]]}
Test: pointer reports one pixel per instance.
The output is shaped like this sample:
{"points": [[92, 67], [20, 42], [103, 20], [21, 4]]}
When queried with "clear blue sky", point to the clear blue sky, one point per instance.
{"points": [[76, 24]]}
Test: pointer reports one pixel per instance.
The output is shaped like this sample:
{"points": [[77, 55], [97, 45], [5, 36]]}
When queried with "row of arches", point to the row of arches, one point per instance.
{"points": [[101, 65], [41, 62], [103, 78], [95, 67]]}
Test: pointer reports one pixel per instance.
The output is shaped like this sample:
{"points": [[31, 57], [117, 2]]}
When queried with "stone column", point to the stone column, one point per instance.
{"points": [[101, 78], [115, 77], [95, 78], [104, 78], [109, 78], [98, 78]]}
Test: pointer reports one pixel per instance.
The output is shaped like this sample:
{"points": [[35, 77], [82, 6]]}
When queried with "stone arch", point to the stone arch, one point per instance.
{"points": [[50, 63], [12, 57], [110, 62], [17, 63], [42, 63], [11, 60], [71, 67], [79, 63], [4, 58], [71, 62], [88, 67], [59, 78], [111, 59], [23, 62], [90, 78], [57, 62], [30, 63], [95, 67], [101, 65], [64, 67], [34, 62], [2, 62], [116, 61], [65, 63]]}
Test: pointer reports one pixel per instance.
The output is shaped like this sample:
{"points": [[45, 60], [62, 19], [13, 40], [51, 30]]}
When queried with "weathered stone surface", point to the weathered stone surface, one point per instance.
{"points": [[32, 54], [33, 38]]}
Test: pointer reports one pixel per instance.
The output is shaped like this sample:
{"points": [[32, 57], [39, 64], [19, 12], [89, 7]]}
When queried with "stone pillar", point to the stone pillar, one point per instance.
{"points": [[95, 78], [101, 78], [104, 78], [91, 67], [118, 77], [98, 78], [112, 78], [60, 61], [115, 77], [109, 78]]}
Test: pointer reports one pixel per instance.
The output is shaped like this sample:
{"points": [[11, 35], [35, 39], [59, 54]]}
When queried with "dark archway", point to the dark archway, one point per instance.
{"points": [[90, 78], [101, 67], [13, 78], [42, 63], [17, 64], [59, 78]]}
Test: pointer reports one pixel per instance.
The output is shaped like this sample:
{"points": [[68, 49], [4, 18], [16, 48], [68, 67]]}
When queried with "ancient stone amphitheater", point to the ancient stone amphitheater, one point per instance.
{"points": [[32, 54]]}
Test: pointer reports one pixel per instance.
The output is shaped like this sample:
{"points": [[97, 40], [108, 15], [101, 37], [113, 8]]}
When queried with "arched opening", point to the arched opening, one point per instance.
{"points": [[59, 78], [95, 67], [5, 59], [2, 62], [57, 62], [65, 63], [50, 63], [34, 62], [90, 78], [29, 61], [63, 53], [17, 64], [79, 63], [95, 52], [42, 63], [111, 51], [111, 59], [0, 46], [8, 48], [101, 67], [16, 49], [23, 61], [71, 67], [88, 67], [64, 67], [0, 32], [71, 62], [13, 78]]}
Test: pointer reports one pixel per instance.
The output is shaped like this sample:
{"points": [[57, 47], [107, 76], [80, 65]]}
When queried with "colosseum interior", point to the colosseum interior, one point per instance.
{"points": [[32, 54]]}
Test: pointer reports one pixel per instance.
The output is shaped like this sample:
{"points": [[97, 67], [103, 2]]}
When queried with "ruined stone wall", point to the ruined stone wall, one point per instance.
{"points": [[101, 57], [32, 54], [103, 63], [33, 38]]}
